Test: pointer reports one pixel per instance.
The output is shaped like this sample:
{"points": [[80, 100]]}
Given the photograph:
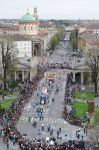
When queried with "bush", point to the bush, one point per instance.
{"points": [[13, 84]]}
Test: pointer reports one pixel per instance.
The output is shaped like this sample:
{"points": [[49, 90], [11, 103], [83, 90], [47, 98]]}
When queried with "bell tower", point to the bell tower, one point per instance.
{"points": [[35, 13]]}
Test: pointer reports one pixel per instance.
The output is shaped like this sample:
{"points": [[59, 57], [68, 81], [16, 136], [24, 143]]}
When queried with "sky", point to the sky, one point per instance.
{"points": [[51, 9]]}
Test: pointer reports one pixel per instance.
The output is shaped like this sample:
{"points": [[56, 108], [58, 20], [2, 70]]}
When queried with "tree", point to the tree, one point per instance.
{"points": [[74, 39], [7, 52], [93, 63], [55, 39], [74, 42], [86, 78]]}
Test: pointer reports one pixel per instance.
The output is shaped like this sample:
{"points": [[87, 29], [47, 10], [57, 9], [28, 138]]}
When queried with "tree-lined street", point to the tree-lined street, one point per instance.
{"points": [[42, 117], [52, 113]]}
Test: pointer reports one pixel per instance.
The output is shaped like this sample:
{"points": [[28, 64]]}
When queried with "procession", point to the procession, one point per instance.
{"points": [[36, 119]]}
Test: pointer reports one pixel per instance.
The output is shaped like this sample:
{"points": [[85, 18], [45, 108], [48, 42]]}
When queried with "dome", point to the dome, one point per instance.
{"points": [[28, 18]]}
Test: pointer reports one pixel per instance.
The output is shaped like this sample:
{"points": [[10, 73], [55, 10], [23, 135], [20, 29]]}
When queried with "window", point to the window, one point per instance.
{"points": [[24, 27]]}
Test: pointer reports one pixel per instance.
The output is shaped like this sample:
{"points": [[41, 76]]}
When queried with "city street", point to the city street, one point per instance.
{"points": [[49, 122], [49, 75], [52, 114]]}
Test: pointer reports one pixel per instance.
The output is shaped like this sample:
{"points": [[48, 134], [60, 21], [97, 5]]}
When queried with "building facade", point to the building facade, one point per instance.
{"points": [[31, 39]]}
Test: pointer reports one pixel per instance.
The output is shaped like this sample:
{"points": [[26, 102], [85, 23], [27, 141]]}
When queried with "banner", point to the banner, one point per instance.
{"points": [[51, 75]]}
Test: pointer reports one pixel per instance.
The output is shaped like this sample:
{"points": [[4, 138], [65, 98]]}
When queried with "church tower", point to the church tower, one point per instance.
{"points": [[35, 13]]}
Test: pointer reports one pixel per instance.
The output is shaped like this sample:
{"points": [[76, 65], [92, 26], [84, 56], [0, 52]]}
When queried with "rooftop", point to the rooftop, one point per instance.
{"points": [[44, 24], [86, 34], [7, 26], [17, 37], [24, 61], [42, 33], [90, 25], [93, 41]]}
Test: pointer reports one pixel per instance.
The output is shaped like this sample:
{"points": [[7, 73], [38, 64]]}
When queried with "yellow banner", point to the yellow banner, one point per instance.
{"points": [[51, 75]]}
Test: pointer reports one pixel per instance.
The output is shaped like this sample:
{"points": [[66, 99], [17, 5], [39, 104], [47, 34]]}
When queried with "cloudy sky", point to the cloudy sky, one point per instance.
{"points": [[57, 9]]}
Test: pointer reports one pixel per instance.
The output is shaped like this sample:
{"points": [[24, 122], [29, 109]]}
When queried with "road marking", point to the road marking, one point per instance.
{"points": [[26, 119], [45, 120], [52, 120], [55, 121], [62, 121], [65, 122], [32, 119], [58, 121], [22, 118], [49, 120]]}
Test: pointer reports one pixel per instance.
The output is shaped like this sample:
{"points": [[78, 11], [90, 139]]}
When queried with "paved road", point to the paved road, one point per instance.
{"points": [[61, 54], [52, 116], [53, 111]]}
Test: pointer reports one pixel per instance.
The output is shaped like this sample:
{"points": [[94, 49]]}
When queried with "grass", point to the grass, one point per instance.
{"points": [[8, 100], [6, 103], [80, 108], [84, 95]]}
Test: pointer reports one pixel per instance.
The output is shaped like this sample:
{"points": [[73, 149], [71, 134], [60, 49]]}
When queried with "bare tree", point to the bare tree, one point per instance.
{"points": [[93, 64], [7, 52]]}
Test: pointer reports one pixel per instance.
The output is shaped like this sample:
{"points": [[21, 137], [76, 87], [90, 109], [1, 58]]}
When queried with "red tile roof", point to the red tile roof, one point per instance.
{"points": [[86, 34], [9, 27], [90, 25], [17, 37], [93, 41], [42, 33], [43, 24]]}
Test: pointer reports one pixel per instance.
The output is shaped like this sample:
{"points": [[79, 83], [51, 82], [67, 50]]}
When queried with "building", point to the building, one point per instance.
{"points": [[82, 37], [35, 15], [28, 25], [70, 28], [31, 39], [92, 26], [8, 29], [48, 30], [92, 44], [86, 40]]}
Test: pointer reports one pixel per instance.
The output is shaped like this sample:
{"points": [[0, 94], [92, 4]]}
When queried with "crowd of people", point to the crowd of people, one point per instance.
{"points": [[63, 65], [68, 99], [9, 118]]}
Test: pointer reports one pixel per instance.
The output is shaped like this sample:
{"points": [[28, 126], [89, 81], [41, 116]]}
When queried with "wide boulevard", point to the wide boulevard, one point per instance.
{"points": [[52, 111]]}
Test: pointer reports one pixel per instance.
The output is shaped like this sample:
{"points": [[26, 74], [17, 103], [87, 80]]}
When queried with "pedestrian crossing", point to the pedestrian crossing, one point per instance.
{"points": [[45, 120]]}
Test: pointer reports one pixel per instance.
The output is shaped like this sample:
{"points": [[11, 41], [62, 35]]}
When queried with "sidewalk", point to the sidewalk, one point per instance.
{"points": [[96, 100]]}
